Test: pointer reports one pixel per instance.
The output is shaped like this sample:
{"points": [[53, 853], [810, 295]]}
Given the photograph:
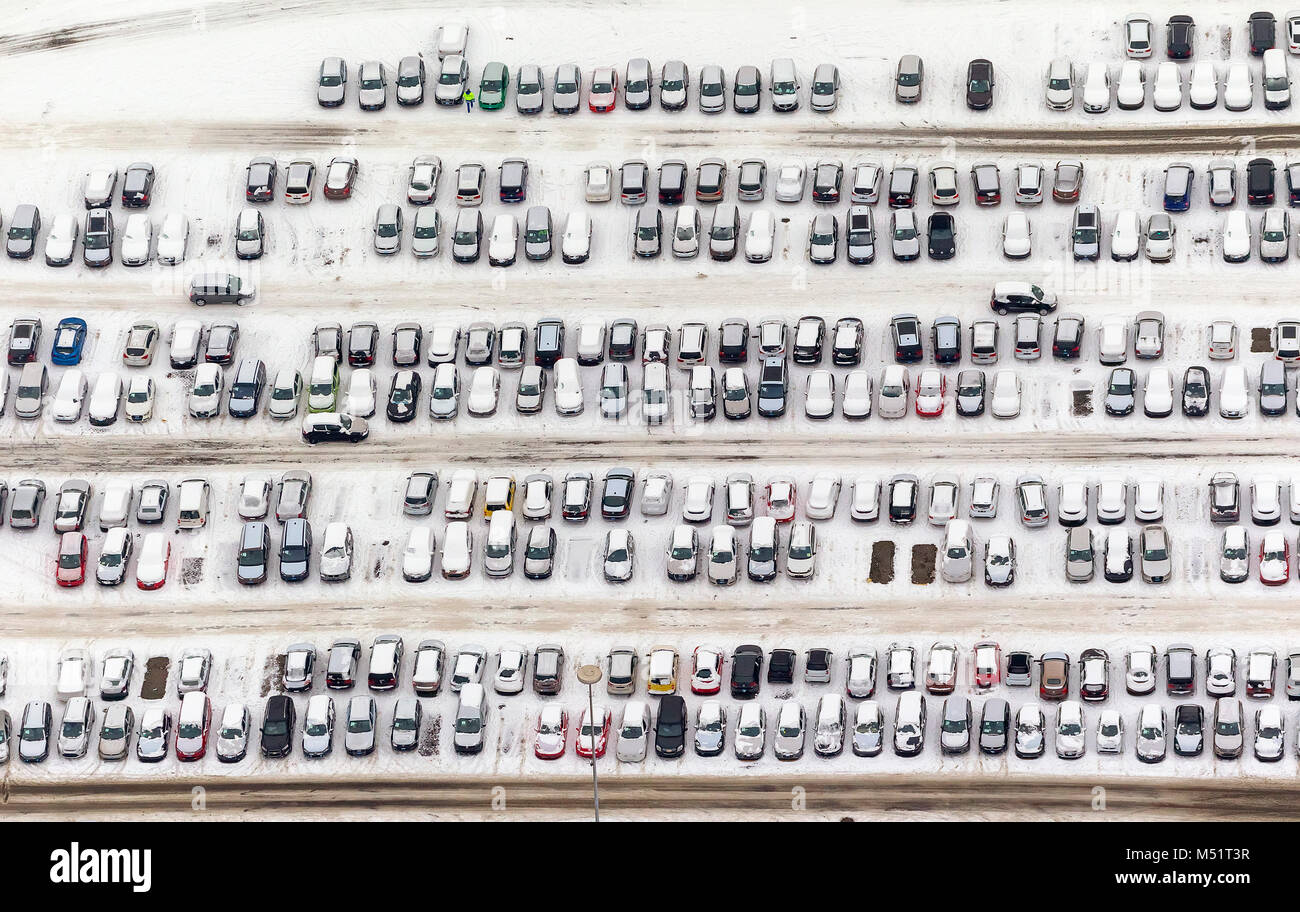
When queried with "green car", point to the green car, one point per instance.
{"points": [[492, 87]]}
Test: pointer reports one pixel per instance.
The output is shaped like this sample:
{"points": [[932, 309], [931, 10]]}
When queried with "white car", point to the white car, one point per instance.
{"points": [[760, 237], [1236, 236], [894, 386], [1017, 237], [697, 505], [105, 399], [819, 395], [634, 733], [945, 489], [1071, 739], [417, 559], [790, 182], [140, 398], [1110, 732], [205, 396], [1096, 88], [1005, 402], [599, 182], [1060, 84], [856, 396], [958, 552], [336, 553], [1203, 89], [1239, 88], [137, 240], [686, 232], [151, 565], [1158, 396], [1168, 93], [865, 506], [1112, 500], [362, 391], [61, 242], [1274, 235], [1029, 183], [1139, 37], [929, 392], [173, 239], [1072, 501], [1160, 238], [1126, 239], [1149, 500], [823, 495], [71, 396], [568, 387], [1131, 91], [575, 246], [1234, 392], [1293, 31], [751, 731], [905, 236], [484, 387], [503, 245]]}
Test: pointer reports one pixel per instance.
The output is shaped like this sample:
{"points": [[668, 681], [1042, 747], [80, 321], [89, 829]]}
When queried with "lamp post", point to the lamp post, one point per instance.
{"points": [[590, 675]]}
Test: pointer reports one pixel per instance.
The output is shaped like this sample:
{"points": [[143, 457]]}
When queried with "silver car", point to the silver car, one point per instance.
{"points": [[388, 229], [1228, 730], [407, 715], [908, 79], [955, 727], [372, 85], [318, 727], [155, 735], [713, 89], [751, 732], [232, 734], [1071, 737], [530, 89], [1030, 737], [1270, 734], [359, 739], [683, 553], [1080, 555], [636, 84], [1152, 734], [115, 732], [74, 732], [674, 86], [710, 729], [868, 728], [566, 95], [1157, 562]]}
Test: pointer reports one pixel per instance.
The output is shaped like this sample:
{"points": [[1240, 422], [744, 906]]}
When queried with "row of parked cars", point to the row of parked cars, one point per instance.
{"points": [[466, 676], [636, 85]]}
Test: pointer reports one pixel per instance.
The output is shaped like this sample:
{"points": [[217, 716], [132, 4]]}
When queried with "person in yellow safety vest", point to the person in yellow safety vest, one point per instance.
{"points": [[468, 98]]}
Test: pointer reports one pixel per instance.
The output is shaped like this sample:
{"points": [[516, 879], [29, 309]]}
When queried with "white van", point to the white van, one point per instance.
{"points": [[115, 507], [194, 497], [105, 400], [457, 544], [460, 495], [1112, 340], [568, 387], [499, 550], [1277, 82]]}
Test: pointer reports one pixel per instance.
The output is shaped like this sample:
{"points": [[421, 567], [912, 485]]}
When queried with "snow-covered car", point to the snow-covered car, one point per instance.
{"points": [[855, 399], [503, 243], [1005, 400], [823, 495], [484, 387], [905, 236], [819, 394], [1203, 88], [1126, 238], [137, 240], [1096, 88], [1017, 240], [790, 182], [173, 238], [1060, 84], [1168, 92], [1160, 238], [1236, 236], [931, 392], [633, 739], [151, 566], [1131, 91], [1274, 235], [945, 491], [686, 232], [958, 561], [1239, 88]]}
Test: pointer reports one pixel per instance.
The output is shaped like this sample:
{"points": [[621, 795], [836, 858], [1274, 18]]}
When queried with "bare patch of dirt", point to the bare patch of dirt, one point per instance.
{"points": [[924, 558], [430, 739], [191, 571], [1261, 339], [1082, 403], [154, 686], [273, 674], [882, 562]]}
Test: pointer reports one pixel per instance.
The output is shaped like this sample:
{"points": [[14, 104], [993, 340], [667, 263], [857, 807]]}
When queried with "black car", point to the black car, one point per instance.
{"points": [[672, 182], [1020, 669], [514, 180], [24, 341], [906, 329], [540, 555], [363, 342], [826, 182], [259, 180], [548, 342], [670, 727], [902, 499], [278, 724], [1068, 337], [328, 427], [246, 389], [1189, 729], [622, 339], [809, 336], [846, 347], [1263, 32], [994, 726], [979, 85], [403, 396], [945, 336], [137, 184], [780, 666], [616, 501], [254, 553], [1259, 182], [1120, 392], [733, 342], [941, 231], [970, 393], [817, 663], [1293, 183], [1196, 392], [1179, 32], [295, 551], [746, 671], [773, 387]]}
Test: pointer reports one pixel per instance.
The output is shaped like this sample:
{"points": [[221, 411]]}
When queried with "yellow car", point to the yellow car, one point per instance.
{"points": [[662, 670], [499, 495]]}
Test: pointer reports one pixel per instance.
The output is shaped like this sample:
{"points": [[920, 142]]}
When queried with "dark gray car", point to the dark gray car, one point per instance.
{"points": [[538, 233], [295, 551], [713, 89], [994, 725], [388, 229], [747, 90], [20, 242], [97, 239]]}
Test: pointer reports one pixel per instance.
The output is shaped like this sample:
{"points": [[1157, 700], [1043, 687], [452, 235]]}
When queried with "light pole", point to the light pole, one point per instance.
{"points": [[590, 675]]}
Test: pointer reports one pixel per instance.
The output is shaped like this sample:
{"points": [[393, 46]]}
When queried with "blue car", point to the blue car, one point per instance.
{"points": [[1178, 187], [69, 337]]}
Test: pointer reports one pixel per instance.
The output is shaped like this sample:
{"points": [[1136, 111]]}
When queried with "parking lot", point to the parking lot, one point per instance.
{"points": [[199, 92]]}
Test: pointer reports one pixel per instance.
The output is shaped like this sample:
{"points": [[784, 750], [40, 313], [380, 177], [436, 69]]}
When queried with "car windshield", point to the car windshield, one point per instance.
{"points": [[904, 233], [909, 79], [604, 87], [189, 730], [468, 725], [359, 726], [205, 389], [386, 229], [70, 561], [444, 78], [979, 85], [466, 238], [1227, 728], [331, 79], [537, 235], [373, 82], [568, 86], [251, 557], [1060, 83]]}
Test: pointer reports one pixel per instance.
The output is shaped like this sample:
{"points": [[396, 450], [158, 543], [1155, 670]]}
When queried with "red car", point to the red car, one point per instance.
{"points": [[988, 664], [706, 677], [604, 89], [931, 393], [193, 725], [1274, 559], [71, 569], [552, 732], [599, 733], [781, 499]]}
